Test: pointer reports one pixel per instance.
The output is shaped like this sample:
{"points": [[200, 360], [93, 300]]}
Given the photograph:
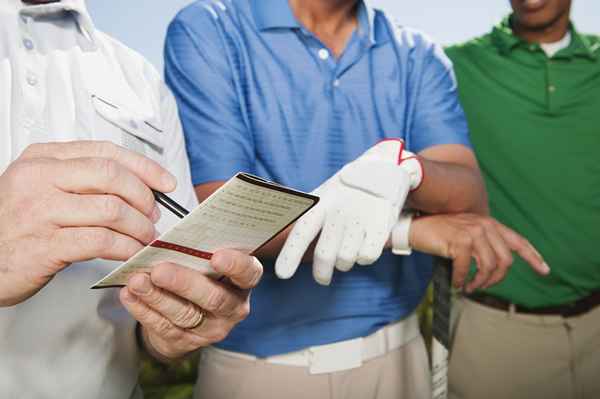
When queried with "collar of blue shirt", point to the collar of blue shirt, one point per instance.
{"points": [[277, 14]]}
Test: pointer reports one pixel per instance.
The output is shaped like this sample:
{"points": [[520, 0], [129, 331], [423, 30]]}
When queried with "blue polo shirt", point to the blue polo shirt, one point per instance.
{"points": [[259, 93]]}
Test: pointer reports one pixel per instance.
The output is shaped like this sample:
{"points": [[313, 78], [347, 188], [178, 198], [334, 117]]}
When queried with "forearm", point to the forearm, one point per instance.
{"points": [[449, 188]]}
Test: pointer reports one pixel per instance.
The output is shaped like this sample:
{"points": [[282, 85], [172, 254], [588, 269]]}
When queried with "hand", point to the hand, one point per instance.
{"points": [[181, 310], [69, 202], [357, 211], [467, 236]]}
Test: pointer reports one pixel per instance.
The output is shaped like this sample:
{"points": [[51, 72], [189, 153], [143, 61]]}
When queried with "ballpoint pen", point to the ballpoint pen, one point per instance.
{"points": [[170, 204]]}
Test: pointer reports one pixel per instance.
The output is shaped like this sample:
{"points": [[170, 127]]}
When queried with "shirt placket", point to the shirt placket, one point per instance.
{"points": [[333, 69], [32, 85]]}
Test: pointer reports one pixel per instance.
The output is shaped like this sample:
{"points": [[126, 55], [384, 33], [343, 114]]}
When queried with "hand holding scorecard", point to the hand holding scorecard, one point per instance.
{"points": [[244, 214]]}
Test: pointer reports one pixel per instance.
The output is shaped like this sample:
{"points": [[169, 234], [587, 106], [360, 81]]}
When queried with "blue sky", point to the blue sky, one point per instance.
{"points": [[142, 24]]}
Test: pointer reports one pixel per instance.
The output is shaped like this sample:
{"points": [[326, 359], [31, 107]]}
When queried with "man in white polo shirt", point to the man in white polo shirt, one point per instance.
{"points": [[108, 124]]}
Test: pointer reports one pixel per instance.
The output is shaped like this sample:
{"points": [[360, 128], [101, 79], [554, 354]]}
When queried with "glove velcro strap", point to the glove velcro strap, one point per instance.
{"points": [[413, 166]]}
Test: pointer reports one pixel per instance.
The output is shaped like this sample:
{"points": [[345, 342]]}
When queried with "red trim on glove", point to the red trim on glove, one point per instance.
{"points": [[399, 160]]}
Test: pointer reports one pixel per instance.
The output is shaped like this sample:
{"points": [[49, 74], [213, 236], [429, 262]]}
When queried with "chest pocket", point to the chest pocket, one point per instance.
{"points": [[123, 126]]}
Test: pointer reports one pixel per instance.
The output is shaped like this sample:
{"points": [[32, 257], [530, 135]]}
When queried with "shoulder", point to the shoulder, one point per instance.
{"points": [[128, 59], [593, 42], [470, 48], [210, 16], [412, 43]]}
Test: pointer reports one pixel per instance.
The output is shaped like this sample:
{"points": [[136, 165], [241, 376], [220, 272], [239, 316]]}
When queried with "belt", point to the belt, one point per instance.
{"points": [[573, 309], [343, 355]]}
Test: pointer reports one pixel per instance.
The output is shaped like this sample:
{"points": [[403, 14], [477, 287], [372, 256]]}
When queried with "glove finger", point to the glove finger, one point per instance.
{"points": [[298, 241], [351, 244], [376, 236], [327, 247]]}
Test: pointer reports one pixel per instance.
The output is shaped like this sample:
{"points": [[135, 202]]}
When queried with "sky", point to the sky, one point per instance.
{"points": [[142, 24]]}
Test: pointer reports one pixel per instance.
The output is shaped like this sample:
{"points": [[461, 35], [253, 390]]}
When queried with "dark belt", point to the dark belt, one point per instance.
{"points": [[572, 309]]}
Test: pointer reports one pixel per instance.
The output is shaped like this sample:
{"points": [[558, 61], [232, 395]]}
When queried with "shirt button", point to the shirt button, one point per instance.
{"points": [[28, 44], [551, 88], [336, 83], [532, 47], [32, 79], [323, 54]]}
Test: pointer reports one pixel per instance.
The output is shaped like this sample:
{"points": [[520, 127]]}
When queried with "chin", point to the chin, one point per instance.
{"points": [[539, 14]]}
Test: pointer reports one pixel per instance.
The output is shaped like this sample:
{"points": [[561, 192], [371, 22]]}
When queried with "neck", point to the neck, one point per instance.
{"points": [[547, 34], [328, 16]]}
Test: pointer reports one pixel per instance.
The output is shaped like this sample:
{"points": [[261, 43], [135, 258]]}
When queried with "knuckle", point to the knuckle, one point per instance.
{"points": [[188, 317], [101, 240], [105, 148], [108, 169], [216, 300], [243, 311], [164, 327], [219, 334], [34, 149], [112, 208], [506, 261], [466, 241], [477, 230]]}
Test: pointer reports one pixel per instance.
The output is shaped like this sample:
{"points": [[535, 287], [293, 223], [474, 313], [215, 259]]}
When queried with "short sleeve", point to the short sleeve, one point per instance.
{"points": [[197, 70], [439, 117]]}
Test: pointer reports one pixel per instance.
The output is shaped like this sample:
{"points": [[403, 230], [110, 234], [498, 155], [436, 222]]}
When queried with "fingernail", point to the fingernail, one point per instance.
{"points": [[140, 284], [156, 214], [169, 181], [221, 263], [545, 268]]}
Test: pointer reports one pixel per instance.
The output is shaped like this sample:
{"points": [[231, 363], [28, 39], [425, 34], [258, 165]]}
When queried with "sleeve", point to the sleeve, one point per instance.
{"points": [[198, 72], [438, 117]]}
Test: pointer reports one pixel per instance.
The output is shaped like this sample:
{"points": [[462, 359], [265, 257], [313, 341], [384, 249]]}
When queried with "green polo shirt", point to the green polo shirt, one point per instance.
{"points": [[535, 126]]}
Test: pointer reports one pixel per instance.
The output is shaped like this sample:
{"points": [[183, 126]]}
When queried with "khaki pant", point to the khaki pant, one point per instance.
{"points": [[400, 374], [503, 355]]}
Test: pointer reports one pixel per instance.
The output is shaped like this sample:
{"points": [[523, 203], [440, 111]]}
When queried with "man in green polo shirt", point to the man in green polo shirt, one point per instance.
{"points": [[531, 91]]}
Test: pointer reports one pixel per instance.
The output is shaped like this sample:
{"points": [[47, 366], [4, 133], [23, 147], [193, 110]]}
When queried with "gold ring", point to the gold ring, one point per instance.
{"points": [[200, 321]]}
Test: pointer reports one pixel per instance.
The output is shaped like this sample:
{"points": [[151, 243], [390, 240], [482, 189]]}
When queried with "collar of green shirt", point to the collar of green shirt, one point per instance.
{"points": [[506, 41]]}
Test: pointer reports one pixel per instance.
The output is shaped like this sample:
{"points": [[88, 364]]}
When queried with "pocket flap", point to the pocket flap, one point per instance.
{"points": [[146, 129]]}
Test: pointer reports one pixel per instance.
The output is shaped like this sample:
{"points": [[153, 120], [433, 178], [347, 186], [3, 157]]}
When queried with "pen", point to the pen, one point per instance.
{"points": [[171, 205]]}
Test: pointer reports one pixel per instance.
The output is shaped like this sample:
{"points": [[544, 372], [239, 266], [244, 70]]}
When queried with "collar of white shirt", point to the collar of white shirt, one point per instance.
{"points": [[77, 7]]}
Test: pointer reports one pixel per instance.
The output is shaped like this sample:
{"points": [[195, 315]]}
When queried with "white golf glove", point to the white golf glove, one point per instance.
{"points": [[359, 207]]}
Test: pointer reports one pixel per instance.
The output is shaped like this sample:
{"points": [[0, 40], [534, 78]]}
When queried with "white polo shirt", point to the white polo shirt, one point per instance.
{"points": [[62, 80]]}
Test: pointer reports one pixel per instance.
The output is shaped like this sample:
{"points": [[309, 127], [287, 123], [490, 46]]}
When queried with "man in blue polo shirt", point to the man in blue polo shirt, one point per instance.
{"points": [[294, 91]]}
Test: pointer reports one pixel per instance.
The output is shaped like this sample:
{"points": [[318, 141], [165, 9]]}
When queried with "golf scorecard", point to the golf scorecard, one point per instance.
{"points": [[244, 214]]}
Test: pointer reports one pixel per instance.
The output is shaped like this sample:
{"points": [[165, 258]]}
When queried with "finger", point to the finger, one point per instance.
{"points": [[502, 252], [103, 176], [71, 210], [485, 259], [298, 241], [217, 298], [149, 171], [170, 335], [242, 270], [525, 250], [461, 266], [327, 247], [376, 235], [78, 244], [180, 312], [351, 244]]}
